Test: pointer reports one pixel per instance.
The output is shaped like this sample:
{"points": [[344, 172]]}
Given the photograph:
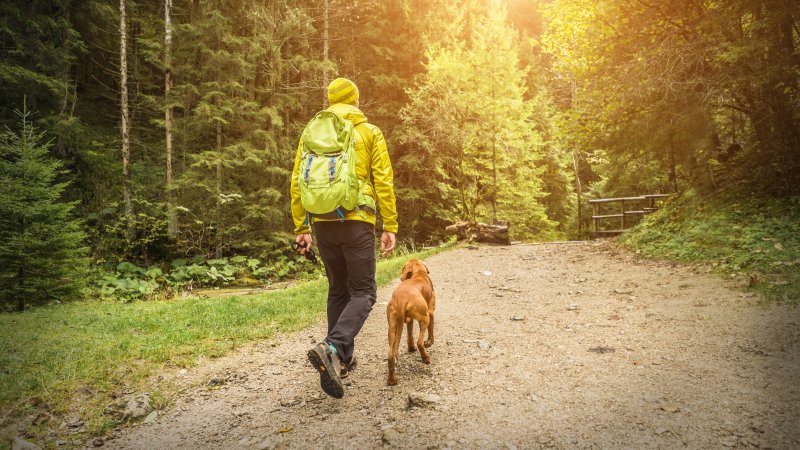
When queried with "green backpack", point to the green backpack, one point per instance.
{"points": [[329, 186]]}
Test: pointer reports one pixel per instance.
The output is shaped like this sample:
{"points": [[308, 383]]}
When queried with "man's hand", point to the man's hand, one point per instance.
{"points": [[387, 243], [305, 242]]}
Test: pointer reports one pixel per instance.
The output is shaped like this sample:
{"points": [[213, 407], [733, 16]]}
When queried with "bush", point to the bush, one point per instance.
{"points": [[128, 282], [753, 237], [141, 238]]}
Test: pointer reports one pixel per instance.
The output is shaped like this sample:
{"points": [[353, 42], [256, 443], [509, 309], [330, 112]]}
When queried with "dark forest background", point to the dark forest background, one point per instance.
{"points": [[173, 124]]}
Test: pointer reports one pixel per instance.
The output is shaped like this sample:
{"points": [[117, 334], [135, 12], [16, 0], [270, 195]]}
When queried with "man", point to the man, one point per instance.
{"points": [[347, 246]]}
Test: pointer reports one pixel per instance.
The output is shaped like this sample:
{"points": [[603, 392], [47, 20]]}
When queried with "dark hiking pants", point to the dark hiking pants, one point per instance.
{"points": [[348, 251]]}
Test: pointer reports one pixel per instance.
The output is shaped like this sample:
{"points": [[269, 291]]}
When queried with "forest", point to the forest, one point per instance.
{"points": [[146, 156], [147, 145]]}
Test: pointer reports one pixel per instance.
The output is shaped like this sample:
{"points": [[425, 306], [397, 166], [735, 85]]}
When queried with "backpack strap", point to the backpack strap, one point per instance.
{"points": [[331, 168], [308, 165]]}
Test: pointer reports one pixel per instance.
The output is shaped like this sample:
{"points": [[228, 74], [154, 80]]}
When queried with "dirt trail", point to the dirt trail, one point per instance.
{"points": [[538, 346]]}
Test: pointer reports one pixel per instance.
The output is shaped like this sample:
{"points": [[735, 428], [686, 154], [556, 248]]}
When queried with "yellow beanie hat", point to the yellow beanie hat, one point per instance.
{"points": [[342, 90]]}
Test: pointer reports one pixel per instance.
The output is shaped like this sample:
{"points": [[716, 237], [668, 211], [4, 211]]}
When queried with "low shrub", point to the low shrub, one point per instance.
{"points": [[752, 237], [128, 282]]}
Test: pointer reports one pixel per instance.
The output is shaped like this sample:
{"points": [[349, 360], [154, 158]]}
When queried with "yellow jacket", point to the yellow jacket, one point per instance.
{"points": [[374, 167]]}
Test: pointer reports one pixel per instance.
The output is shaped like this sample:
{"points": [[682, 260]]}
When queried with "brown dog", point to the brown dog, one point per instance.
{"points": [[412, 300]]}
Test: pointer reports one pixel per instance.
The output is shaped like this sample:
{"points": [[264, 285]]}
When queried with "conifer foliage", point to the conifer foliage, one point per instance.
{"points": [[42, 257], [506, 110], [473, 124]]}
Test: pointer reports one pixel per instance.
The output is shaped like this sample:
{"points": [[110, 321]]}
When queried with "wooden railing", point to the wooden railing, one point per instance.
{"points": [[629, 207]]}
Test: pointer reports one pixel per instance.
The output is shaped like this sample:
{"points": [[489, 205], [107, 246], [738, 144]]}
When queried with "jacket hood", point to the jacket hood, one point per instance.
{"points": [[348, 112]]}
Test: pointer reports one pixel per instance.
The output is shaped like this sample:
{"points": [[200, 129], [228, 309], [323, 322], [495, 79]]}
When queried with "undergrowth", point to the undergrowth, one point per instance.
{"points": [[68, 359], [746, 236]]}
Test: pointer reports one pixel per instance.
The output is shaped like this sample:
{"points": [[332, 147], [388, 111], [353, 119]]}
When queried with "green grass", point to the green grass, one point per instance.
{"points": [[744, 236], [51, 357]]}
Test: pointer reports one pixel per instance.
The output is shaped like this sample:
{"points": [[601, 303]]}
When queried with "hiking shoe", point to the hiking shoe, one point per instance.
{"points": [[324, 358], [348, 366]]}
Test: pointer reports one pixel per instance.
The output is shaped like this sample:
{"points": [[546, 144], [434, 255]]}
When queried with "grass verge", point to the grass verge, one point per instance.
{"points": [[68, 359], [745, 236]]}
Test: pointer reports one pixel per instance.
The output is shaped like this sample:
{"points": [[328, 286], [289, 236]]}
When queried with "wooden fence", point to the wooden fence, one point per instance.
{"points": [[628, 209]]}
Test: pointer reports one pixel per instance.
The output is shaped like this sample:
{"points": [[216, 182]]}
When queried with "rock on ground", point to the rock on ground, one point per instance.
{"points": [[422, 399], [130, 409], [21, 444]]}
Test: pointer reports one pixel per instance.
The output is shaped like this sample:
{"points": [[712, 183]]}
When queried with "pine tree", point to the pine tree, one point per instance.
{"points": [[236, 71], [40, 50], [475, 132], [41, 253]]}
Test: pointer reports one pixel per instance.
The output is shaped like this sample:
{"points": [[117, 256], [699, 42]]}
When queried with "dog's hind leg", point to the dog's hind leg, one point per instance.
{"points": [[431, 309], [429, 341], [395, 333], [411, 347], [423, 325]]}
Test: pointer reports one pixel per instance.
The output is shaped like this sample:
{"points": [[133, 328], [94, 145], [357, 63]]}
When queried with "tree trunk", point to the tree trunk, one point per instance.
{"points": [[494, 179], [673, 173], [22, 225], [575, 157], [218, 249], [716, 147], [462, 188], [172, 220], [21, 282], [124, 126], [325, 46], [578, 189]]}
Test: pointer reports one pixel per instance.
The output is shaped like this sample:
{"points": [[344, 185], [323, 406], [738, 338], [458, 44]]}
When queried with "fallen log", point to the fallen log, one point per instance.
{"points": [[496, 233]]}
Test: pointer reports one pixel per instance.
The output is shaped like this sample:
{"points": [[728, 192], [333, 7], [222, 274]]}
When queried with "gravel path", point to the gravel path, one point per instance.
{"points": [[537, 346]]}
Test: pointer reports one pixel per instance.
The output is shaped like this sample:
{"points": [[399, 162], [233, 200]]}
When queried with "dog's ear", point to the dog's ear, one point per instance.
{"points": [[426, 268], [405, 272]]}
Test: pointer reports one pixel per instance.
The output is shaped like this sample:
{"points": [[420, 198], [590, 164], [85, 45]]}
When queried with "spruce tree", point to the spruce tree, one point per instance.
{"points": [[238, 115], [475, 131], [41, 253]]}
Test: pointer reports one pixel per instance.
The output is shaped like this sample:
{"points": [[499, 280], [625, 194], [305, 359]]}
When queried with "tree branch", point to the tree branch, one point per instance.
{"points": [[741, 109]]}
